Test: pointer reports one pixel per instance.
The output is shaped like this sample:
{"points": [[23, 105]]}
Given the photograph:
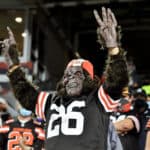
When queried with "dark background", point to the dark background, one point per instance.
{"points": [[62, 29], [76, 26]]}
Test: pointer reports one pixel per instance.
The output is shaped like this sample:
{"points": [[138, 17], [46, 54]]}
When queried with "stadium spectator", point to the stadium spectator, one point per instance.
{"points": [[23, 126], [75, 113]]}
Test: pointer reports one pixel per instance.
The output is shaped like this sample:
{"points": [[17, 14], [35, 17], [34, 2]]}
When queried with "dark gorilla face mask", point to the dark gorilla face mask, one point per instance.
{"points": [[73, 80]]}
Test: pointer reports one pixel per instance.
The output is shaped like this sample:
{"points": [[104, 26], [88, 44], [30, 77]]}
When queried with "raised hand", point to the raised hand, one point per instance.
{"points": [[9, 49], [107, 34], [12, 40]]}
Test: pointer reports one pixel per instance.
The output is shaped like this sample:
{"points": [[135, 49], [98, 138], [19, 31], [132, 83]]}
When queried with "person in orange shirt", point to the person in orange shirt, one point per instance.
{"points": [[23, 126]]}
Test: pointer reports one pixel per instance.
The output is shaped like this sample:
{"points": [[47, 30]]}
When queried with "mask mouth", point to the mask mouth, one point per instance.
{"points": [[73, 89], [72, 84]]}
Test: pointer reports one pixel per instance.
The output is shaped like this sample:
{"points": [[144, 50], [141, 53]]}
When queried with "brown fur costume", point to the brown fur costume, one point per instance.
{"points": [[116, 78]]}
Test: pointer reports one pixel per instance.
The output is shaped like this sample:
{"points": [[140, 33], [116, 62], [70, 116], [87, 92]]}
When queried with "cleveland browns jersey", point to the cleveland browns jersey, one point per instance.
{"points": [[73, 124], [13, 129]]}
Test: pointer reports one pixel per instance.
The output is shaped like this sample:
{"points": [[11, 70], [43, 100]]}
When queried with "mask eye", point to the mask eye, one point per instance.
{"points": [[78, 73], [65, 79]]}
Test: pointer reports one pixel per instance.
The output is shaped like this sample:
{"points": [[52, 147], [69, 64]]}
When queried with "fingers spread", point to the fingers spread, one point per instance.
{"points": [[97, 17], [109, 18], [104, 15], [114, 21]]}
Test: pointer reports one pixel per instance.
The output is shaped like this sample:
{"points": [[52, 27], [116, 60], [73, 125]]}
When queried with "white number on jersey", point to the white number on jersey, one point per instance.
{"points": [[66, 114]]}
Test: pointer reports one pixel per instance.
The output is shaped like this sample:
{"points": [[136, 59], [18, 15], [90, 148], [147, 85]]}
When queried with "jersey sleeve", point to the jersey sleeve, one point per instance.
{"points": [[4, 129], [43, 102], [135, 121]]}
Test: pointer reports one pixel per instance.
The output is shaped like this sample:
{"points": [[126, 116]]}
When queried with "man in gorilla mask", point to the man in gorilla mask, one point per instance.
{"points": [[76, 117]]}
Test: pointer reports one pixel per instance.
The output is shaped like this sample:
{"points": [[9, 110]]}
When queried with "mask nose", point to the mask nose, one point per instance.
{"points": [[67, 78]]}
